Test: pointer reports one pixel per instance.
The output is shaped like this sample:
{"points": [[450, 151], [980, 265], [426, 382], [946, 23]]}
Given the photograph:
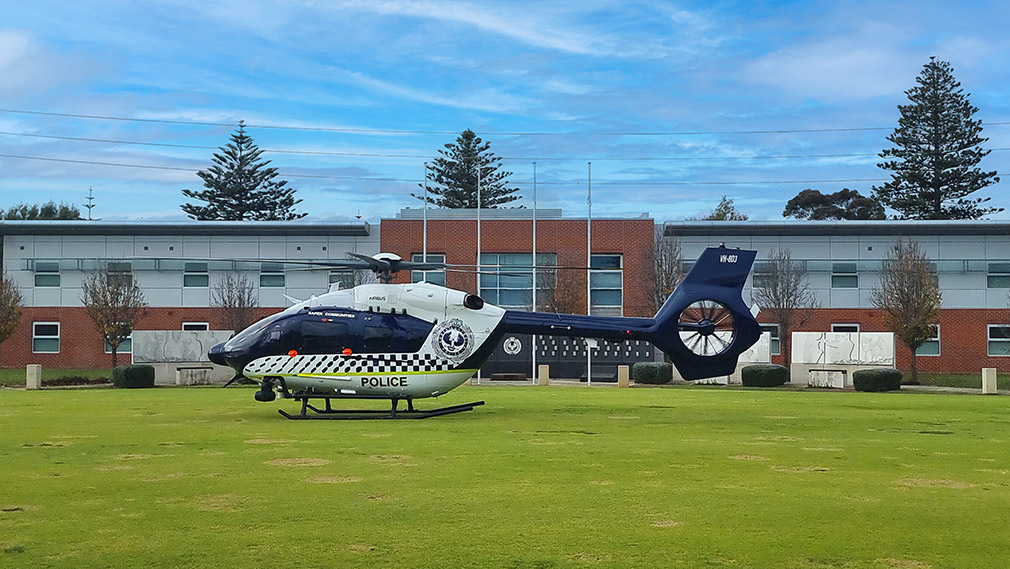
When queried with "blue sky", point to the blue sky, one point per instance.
{"points": [[675, 103]]}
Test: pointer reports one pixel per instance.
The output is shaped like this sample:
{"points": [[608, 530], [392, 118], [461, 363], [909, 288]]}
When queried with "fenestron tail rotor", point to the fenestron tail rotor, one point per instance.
{"points": [[707, 327]]}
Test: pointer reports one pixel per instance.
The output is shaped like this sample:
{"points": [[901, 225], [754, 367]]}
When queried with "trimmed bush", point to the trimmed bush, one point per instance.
{"points": [[764, 375], [133, 376], [652, 373], [876, 380]]}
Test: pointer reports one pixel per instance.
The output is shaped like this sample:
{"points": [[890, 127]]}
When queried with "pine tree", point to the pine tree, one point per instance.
{"points": [[454, 176], [937, 151], [241, 186]]}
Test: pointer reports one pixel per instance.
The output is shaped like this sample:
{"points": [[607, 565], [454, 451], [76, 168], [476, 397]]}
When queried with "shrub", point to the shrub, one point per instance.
{"points": [[764, 375], [876, 380], [652, 373], [133, 376]]}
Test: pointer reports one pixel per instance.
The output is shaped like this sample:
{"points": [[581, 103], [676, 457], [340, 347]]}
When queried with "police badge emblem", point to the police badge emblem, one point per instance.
{"points": [[453, 340]]}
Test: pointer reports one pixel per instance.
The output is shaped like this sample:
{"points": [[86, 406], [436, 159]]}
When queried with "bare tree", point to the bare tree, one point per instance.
{"points": [[667, 267], [10, 307], [115, 304], [781, 289], [235, 296], [910, 297]]}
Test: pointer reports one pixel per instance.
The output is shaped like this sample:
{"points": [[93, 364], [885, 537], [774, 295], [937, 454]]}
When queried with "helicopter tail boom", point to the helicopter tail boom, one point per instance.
{"points": [[703, 326]]}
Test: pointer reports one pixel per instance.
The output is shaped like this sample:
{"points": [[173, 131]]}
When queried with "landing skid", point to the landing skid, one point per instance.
{"points": [[354, 414]]}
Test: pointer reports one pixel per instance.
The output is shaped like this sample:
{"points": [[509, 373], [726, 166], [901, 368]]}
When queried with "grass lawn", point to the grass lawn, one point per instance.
{"points": [[539, 478]]}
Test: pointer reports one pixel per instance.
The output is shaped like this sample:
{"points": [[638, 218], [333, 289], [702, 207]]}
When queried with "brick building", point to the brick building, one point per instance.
{"points": [[843, 260]]}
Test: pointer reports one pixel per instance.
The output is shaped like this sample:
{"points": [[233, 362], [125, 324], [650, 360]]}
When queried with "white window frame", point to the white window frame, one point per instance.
{"points": [[836, 325], [775, 348], [997, 275], [270, 271], [934, 340], [37, 336], [1005, 340], [619, 271], [195, 326], [47, 270]]}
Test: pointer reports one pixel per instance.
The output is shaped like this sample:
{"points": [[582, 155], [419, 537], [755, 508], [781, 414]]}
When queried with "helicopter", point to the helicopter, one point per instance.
{"points": [[402, 342]]}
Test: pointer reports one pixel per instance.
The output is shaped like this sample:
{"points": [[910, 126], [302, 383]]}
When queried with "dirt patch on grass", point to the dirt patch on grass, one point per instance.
{"points": [[752, 457], [666, 524], [935, 483], [584, 558], [49, 444], [219, 503], [391, 459], [137, 456], [601, 482], [298, 462], [334, 479], [113, 467], [801, 469], [270, 441], [903, 564]]}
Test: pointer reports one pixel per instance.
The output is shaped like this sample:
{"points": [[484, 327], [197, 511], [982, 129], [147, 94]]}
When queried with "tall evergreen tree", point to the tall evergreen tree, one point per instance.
{"points": [[937, 151], [241, 186], [454, 175]]}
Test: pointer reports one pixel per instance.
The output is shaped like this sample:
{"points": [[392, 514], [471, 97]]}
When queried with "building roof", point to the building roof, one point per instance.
{"points": [[82, 227], [791, 228]]}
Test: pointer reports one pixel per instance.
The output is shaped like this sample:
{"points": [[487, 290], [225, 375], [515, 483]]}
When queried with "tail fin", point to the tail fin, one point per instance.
{"points": [[704, 325]]}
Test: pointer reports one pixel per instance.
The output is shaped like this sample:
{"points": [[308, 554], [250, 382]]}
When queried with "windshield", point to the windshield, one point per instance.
{"points": [[248, 337]]}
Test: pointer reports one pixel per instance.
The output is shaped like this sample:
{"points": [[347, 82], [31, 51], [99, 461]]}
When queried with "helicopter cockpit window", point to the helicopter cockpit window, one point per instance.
{"points": [[377, 338], [323, 337], [250, 335]]}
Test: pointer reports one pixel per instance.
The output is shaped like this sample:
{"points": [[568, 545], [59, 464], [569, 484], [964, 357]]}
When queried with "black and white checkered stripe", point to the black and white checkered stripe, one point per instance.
{"points": [[345, 365]]}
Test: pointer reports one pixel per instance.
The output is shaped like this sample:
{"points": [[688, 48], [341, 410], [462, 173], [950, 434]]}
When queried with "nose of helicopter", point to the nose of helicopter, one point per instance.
{"points": [[216, 354]]}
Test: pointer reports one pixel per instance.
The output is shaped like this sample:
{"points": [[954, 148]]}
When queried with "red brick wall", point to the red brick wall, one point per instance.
{"points": [[80, 345], [963, 337], [567, 237]]}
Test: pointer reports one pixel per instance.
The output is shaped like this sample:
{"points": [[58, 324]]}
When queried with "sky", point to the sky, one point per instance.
{"points": [[659, 107]]}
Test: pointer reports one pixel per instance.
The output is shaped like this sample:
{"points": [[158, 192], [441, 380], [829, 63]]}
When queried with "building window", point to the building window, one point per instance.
{"points": [[506, 279], [931, 347], [196, 275], [272, 275], [122, 271], [845, 328], [844, 275], [342, 277], [195, 326], [999, 340], [125, 347], [999, 275], [45, 337], [606, 285], [773, 329], [47, 274], [433, 277]]}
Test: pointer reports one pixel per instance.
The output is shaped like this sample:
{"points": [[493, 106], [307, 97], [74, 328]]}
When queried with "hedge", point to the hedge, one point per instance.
{"points": [[876, 380], [133, 376], [764, 375], [653, 373]]}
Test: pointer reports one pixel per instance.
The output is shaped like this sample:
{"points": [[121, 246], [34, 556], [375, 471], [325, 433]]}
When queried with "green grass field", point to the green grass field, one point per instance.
{"points": [[539, 478]]}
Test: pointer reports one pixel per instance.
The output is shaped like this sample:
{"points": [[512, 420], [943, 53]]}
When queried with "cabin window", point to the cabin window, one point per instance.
{"points": [[377, 338], [45, 337], [323, 337], [436, 277]]}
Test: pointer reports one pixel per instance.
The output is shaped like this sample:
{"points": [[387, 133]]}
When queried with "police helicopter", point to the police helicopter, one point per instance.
{"points": [[401, 342]]}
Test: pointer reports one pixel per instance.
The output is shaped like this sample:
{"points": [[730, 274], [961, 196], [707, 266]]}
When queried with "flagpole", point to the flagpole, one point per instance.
{"points": [[533, 341], [424, 237], [589, 259]]}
